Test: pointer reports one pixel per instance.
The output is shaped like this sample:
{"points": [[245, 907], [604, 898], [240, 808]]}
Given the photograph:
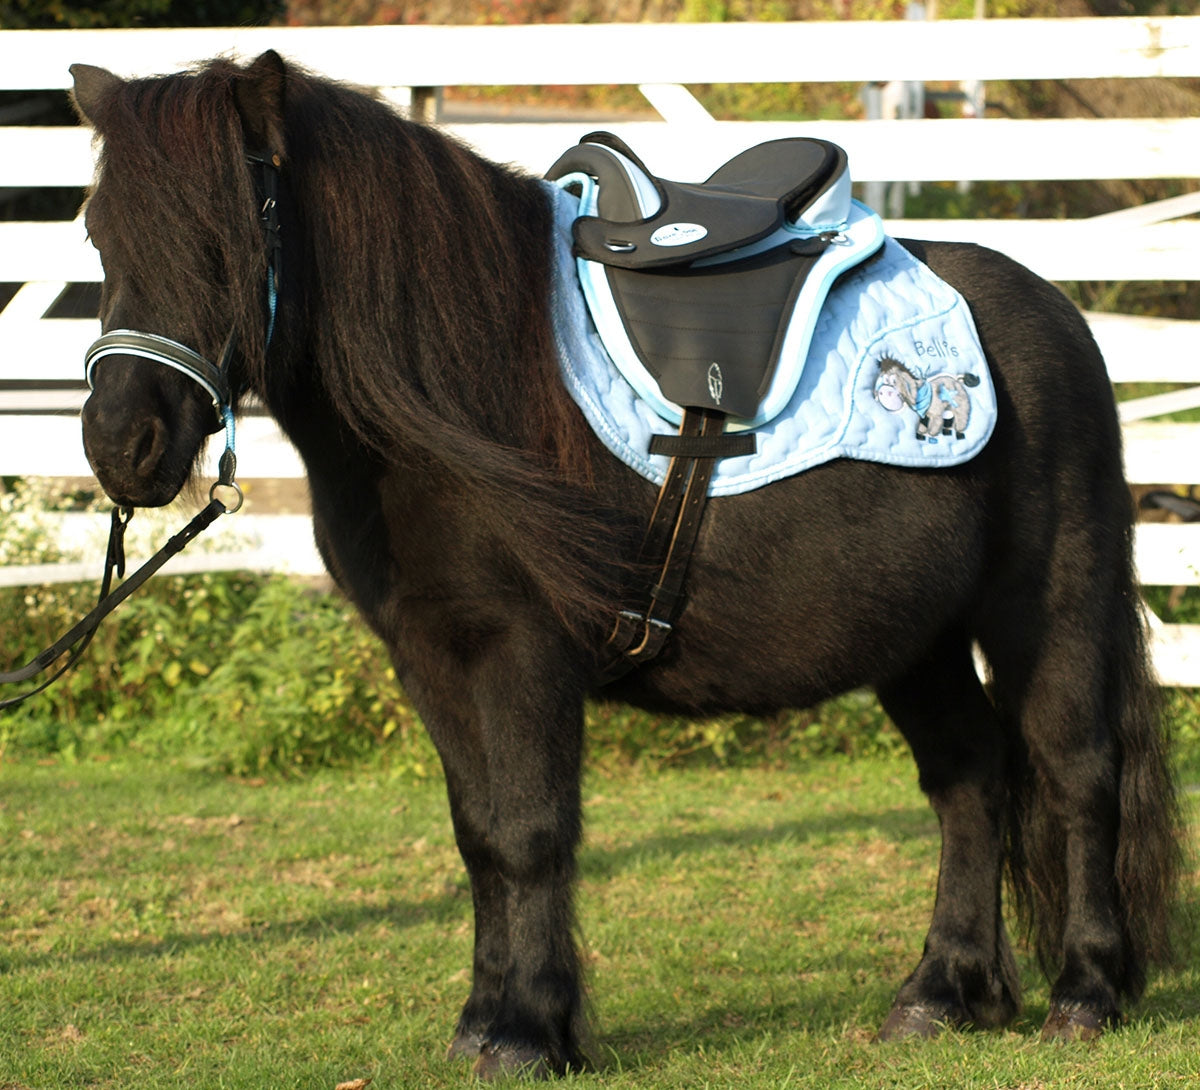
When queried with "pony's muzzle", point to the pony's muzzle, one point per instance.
{"points": [[127, 455]]}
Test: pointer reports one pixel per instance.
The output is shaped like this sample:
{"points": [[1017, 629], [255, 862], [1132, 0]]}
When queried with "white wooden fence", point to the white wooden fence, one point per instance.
{"points": [[39, 433]]}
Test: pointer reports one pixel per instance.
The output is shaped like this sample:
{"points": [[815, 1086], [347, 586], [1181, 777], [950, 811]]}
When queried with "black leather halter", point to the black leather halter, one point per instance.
{"points": [[214, 377], [215, 380]]}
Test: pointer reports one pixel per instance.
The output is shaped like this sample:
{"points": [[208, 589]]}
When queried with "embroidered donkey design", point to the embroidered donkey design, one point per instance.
{"points": [[940, 400]]}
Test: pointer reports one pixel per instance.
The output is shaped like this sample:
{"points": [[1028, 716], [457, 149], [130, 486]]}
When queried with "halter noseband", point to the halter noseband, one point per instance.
{"points": [[213, 377], [150, 346]]}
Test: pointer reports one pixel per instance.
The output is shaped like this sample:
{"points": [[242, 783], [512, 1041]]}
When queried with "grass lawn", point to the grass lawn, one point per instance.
{"points": [[170, 928]]}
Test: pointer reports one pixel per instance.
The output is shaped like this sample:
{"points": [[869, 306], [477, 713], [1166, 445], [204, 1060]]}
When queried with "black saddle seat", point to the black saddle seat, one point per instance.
{"points": [[742, 202]]}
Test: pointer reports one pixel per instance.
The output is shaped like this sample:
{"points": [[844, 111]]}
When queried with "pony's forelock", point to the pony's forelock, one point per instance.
{"points": [[174, 211]]}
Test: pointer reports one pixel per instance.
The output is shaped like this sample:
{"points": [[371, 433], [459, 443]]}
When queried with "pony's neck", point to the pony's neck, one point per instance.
{"points": [[426, 279]]}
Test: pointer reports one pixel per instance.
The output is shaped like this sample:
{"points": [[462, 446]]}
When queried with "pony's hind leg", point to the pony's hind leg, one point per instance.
{"points": [[1096, 818], [967, 975], [1096, 826], [1069, 827]]}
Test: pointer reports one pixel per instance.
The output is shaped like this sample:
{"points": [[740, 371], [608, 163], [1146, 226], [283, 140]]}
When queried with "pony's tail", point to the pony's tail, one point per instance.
{"points": [[1149, 856], [1150, 837]]}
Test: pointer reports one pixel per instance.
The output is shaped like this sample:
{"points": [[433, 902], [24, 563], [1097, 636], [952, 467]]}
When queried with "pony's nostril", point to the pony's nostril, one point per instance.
{"points": [[101, 438], [147, 448]]}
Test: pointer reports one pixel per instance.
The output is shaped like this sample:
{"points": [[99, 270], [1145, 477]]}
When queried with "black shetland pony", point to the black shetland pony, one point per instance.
{"points": [[460, 499]]}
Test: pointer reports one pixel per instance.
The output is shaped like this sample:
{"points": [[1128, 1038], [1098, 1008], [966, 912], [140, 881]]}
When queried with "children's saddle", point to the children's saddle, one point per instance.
{"points": [[706, 295]]}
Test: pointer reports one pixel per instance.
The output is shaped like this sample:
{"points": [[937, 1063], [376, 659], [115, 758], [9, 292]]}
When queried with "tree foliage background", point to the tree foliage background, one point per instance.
{"points": [[52, 14]]}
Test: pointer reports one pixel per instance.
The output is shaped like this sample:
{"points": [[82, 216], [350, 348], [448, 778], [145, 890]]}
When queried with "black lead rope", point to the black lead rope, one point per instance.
{"points": [[77, 639]]}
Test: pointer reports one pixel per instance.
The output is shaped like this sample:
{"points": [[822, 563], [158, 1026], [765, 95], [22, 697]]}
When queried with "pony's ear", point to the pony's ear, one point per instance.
{"points": [[93, 88], [259, 98]]}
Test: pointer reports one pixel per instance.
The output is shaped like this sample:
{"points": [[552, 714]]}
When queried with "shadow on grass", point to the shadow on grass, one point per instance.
{"points": [[738, 1020], [855, 1011], [596, 864], [726, 1019], [450, 909], [898, 825], [726, 1027]]}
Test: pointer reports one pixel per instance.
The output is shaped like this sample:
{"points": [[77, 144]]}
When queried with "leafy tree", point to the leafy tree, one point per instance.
{"points": [[53, 14]]}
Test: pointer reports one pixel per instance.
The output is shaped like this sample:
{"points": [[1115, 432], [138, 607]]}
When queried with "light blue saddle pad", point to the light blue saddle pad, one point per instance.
{"points": [[894, 373]]}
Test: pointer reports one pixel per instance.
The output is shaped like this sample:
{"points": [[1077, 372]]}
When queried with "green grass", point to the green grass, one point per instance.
{"points": [[169, 928]]}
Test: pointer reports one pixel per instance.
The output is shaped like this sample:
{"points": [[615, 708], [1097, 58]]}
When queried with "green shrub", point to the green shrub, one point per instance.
{"points": [[157, 645], [246, 673], [852, 725], [300, 681], [238, 671]]}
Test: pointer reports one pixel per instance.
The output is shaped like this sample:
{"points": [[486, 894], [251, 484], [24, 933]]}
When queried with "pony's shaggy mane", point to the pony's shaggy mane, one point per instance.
{"points": [[415, 290], [456, 249]]}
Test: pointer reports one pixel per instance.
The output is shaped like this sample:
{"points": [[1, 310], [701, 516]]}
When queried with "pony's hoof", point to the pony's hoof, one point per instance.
{"points": [[906, 1020], [507, 1061], [465, 1046], [1076, 1022]]}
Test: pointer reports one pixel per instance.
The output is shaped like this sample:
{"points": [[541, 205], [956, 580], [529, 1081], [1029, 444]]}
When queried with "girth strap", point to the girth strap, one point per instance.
{"points": [[642, 627]]}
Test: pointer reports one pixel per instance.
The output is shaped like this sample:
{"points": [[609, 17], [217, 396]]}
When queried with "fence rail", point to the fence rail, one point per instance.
{"points": [[676, 53], [40, 355]]}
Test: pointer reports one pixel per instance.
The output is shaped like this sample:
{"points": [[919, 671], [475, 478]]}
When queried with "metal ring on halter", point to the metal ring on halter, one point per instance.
{"points": [[237, 488], [227, 470]]}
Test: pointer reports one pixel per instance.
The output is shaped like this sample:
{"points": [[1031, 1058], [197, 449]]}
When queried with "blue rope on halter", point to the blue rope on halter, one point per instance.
{"points": [[230, 428], [272, 302], [269, 214]]}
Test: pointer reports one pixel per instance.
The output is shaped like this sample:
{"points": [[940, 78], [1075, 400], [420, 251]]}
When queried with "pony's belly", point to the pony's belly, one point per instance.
{"points": [[761, 669], [841, 578]]}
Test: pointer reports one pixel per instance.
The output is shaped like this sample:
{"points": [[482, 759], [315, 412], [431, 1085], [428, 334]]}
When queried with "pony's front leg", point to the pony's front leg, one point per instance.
{"points": [[534, 756], [513, 774], [470, 806]]}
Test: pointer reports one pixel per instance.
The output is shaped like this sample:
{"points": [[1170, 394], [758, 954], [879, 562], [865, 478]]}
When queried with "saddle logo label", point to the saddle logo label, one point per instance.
{"points": [[940, 399], [678, 234], [716, 382]]}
